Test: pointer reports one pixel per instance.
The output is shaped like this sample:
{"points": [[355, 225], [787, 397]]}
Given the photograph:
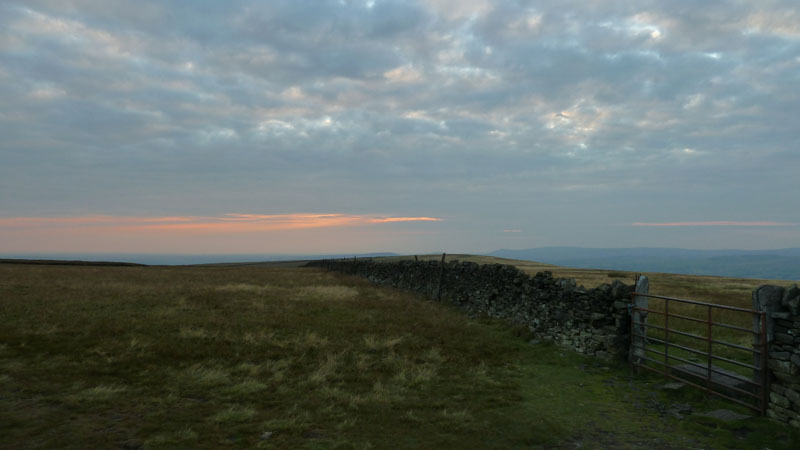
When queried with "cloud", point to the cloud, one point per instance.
{"points": [[439, 107], [403, 74]]}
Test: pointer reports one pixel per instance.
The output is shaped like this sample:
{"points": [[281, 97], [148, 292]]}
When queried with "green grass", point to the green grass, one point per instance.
{"points": [[281, 357]]}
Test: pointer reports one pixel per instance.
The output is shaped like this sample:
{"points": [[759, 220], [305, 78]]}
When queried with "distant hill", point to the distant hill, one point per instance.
{"points": [[166, 259], [781, 264], [65, 262]]}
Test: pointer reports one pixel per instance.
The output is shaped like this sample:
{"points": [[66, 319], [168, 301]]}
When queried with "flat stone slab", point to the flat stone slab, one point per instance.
{"points": [[723, 414], [673, 386], [720, 377]]}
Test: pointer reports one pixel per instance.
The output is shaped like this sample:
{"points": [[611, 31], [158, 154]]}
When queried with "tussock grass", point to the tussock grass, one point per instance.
{"points": [[461, 416], [292, 422], [385, 393], [482, 375], [219, 357], [102, 393], [204, 377], [378, 343], [433, 356], [326, 369], [246, 388], [277, 370], [329, 292], [171, 440], [195, 333], [243, 287], [310, 340], [234, 414], [248, 369], [414, 376]]}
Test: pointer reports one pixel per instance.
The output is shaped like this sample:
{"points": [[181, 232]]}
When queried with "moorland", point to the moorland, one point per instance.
{"points": [[282, 356]]}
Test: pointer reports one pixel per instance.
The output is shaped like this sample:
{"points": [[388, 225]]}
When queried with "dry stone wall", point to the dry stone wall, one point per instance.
{"points": [[590, 321], [783, 334]]}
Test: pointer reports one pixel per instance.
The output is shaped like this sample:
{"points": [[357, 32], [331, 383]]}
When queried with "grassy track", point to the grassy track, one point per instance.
{"points": [[272, 357]]}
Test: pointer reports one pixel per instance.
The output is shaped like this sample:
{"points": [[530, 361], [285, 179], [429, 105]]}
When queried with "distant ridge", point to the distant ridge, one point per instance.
{"points": [[57, 262], [165, 259], [779, 264]]}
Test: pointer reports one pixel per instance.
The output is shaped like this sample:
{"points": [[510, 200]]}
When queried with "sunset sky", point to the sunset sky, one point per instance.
{"points": [[294, 126]]}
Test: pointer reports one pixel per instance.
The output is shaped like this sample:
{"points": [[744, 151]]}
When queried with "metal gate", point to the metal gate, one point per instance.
{"points": [[694, 355]]}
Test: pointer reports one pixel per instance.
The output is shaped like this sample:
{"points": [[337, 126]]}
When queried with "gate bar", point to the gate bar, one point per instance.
{"points": [[698, 352], [693, 302], [702, 338], [723, 325], [731, 361], [752, 350]]}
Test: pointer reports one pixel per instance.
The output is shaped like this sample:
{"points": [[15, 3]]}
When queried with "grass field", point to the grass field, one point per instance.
{"points": [[284, 357]]}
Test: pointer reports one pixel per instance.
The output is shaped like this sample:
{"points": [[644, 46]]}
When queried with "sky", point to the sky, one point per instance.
{"points": [[294, 126]]}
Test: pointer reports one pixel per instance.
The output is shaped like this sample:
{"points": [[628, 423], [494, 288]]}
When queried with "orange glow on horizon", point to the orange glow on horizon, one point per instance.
{"points": [[83, 220], [404, 219], [228, 223]]}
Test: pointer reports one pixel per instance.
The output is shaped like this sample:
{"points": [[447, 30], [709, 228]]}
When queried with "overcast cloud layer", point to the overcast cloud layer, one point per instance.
{"points": [[519, 124]]}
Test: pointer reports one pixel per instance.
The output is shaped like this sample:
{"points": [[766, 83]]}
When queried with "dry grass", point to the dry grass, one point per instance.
{"points": [[192, 357], [213, 357]]}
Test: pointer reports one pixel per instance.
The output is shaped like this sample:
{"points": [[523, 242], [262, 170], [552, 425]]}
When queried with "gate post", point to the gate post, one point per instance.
{"points": [[766, 299], [638, 321]]}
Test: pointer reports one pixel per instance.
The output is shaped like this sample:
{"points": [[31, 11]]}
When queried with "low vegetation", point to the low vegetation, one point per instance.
{"points": [[281, 357]]}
